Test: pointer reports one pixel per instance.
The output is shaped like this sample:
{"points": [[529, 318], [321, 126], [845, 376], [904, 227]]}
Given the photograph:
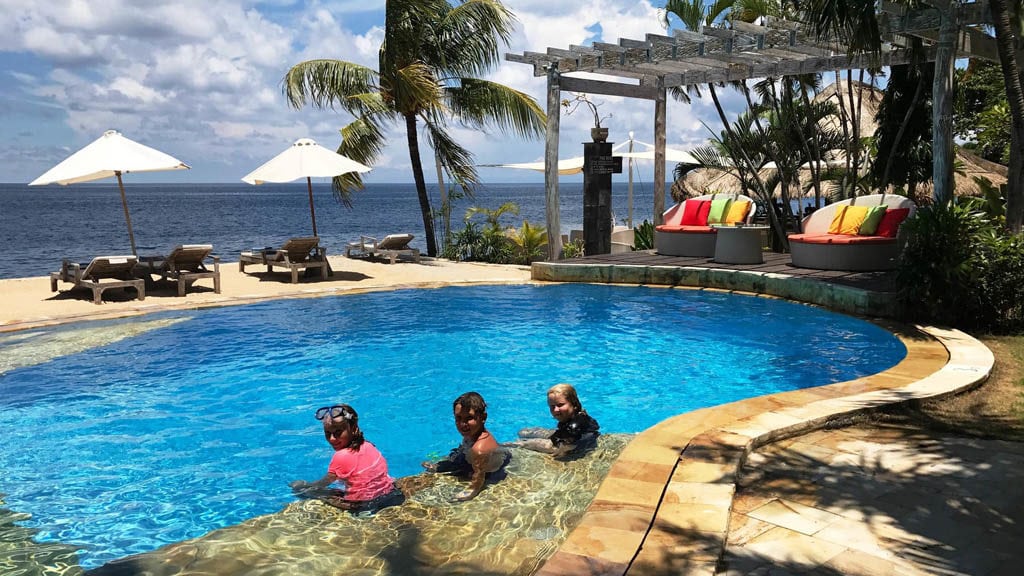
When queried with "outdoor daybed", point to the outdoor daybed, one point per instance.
{"points": [[853, 235], [687, 229]]}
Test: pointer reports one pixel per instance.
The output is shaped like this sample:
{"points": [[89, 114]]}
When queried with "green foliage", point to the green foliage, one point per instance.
{"points": [[473, 244], [959, 268], [643, 236], [573, 249], [981, 115], [531, 241]]}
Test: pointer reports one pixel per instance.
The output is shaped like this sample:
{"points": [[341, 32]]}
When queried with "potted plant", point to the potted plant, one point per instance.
{"points": [[598, 133]]}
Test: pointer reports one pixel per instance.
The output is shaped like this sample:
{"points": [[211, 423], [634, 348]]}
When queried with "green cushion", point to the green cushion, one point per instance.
{"points": [[870, 224], [719, 208]]}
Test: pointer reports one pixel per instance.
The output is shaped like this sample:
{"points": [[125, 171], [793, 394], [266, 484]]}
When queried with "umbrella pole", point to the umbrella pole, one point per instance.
{"points": [[312, 212], [127, 218]]}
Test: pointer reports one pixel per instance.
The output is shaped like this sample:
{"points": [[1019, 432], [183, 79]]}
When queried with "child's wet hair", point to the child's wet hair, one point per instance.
{"points": [[569, 393], [351, 419], [472, 401]]}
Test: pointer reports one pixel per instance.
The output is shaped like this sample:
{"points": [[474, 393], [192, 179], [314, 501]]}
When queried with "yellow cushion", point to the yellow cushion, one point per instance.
{"points": [[848, 219], [737, 211]]}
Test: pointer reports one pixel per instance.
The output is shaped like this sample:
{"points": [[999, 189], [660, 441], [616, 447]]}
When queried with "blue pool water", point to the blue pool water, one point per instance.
{"points": [[202, 423]]}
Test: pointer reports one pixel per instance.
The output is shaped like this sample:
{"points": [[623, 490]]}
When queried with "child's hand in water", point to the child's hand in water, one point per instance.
{"points": [[299, 486], [464, 495], [429, 466]]}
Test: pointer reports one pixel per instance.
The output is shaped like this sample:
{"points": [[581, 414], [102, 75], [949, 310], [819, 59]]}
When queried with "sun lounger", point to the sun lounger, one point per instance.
{"points": [[185, 264], [391, 247], [104, 272], [295, 254]]}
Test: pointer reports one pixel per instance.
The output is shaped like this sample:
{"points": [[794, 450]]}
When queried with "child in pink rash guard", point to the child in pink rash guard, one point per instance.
{"points": [[356, 462]]}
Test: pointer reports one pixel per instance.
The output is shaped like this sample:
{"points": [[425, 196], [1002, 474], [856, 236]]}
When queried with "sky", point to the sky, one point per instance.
{"points": [[201, 80]]}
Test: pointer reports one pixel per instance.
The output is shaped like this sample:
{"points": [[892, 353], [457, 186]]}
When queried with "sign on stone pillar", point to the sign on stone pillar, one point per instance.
{"points": [[598, 167]]}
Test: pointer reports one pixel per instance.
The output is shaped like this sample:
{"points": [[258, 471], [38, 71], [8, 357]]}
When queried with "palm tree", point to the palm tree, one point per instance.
{"points": [[429, 61], [1006, 15]]}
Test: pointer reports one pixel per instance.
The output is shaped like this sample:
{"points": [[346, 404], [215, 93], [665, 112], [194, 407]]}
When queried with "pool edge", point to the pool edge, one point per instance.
{"points": [[666, 502]]}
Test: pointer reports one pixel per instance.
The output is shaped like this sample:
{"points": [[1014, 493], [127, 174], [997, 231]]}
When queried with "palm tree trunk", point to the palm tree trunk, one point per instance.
{"points": [[421, 183], [1006, 44]]}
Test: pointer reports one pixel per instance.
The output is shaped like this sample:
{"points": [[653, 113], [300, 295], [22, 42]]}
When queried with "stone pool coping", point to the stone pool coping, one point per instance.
{"points": [[664, 507]]}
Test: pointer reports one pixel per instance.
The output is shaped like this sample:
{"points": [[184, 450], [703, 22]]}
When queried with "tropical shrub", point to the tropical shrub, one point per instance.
{"points": [[530, 241], [473, 244], [643, 236], [573, 249], [960, 268]]}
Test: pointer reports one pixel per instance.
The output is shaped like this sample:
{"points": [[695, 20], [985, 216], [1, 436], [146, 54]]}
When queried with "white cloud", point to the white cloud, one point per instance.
{"points": [[205, 76]]}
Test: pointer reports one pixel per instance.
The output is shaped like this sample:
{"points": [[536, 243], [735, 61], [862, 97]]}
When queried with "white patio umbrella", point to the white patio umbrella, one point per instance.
{"points": [[304, 158], [110, 155]]}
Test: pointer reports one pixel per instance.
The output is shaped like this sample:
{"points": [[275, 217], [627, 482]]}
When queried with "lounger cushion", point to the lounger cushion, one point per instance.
{"points": [[737, 212], [691, 212], [890, 223], [870, 225], [719, 208], [847, 219], [705, 211], [687, 229], [839, 239]]}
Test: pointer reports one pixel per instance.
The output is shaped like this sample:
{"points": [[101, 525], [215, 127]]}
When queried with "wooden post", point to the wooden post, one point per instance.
{"points": [[551, 165], [659, 152], [942, 101]]}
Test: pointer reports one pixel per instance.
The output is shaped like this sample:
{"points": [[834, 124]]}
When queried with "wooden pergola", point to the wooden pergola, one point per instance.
{"points": [[647, 68]]}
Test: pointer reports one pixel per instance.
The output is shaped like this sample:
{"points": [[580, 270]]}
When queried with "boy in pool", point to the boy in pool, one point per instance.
{"points": [[479, 456], [577, 431], [356, 462]]}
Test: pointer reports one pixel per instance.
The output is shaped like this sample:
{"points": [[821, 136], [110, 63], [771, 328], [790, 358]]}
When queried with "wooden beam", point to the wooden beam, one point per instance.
{"points": [[590, 86]]}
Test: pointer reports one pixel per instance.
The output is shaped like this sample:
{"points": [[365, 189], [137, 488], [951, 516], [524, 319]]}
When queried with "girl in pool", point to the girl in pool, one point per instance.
{"points": [[356, 462], [479, 456], [576, 432]]}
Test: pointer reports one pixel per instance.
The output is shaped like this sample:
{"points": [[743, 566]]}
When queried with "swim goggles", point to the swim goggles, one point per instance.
{"points": [[336, 411]]}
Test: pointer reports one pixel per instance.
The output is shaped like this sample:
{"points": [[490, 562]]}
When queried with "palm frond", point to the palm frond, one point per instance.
{"points": [[326, 83], [481, 103], [468, 38], [456, 161], [361, 140], [415, 88]]}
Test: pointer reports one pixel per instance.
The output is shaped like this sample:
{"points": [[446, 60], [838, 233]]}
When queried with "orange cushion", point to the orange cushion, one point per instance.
{"points": [[686, 229], [737, 211], [847, 220]]}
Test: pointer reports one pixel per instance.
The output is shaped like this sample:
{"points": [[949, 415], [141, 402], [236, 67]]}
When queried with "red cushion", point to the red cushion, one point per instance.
{"points": [[702, 216], [890, 223], [691, 209], [839, 239]]}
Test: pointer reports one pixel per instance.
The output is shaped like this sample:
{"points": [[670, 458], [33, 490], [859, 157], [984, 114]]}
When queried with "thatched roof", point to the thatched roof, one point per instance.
{"points": [[967, 165]]}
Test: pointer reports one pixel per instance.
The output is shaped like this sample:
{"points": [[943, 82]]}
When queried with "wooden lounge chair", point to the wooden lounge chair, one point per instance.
{"points": [[185, 264], [295, 254], [102, 273], [391, 247]]}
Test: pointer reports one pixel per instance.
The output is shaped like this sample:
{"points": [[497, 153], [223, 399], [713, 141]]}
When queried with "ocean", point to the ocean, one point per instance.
{"points": [[42, 225]]}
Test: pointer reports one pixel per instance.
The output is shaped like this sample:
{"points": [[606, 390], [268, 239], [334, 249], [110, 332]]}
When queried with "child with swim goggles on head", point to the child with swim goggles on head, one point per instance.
{"points": [[356, 462], [479, 456], [577, 431]]}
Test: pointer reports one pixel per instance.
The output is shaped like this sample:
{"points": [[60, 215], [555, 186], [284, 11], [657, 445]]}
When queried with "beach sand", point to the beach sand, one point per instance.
{"points": [[29, 303]]}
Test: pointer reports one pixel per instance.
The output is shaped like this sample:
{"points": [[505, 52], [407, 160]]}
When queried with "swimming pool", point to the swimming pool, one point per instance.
{"points": [[202, 418]]}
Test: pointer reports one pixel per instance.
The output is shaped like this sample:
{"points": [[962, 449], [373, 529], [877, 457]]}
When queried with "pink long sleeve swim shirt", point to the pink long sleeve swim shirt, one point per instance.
{"points": [[364, 471]]}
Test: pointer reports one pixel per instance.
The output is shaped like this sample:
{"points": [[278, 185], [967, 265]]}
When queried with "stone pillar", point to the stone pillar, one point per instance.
{"points": [[598, 167]]}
